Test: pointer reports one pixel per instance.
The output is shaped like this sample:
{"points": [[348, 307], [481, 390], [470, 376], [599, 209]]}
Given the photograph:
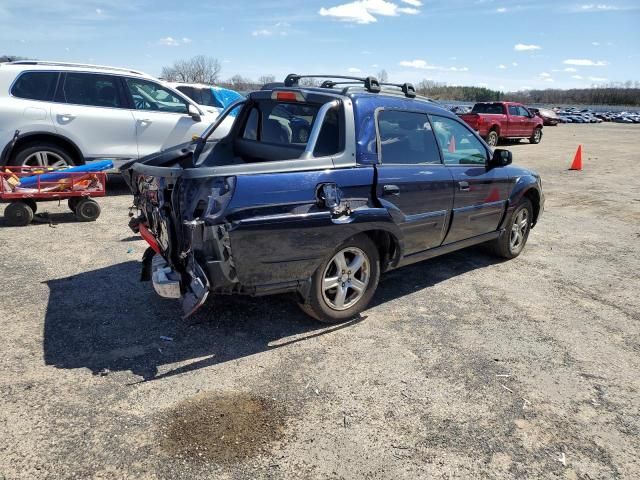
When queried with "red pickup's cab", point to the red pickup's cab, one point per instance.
{"points": [[496, 120]]}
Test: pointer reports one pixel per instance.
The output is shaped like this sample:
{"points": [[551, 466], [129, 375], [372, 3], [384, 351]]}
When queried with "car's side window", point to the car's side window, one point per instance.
{"points": [[523, 111], [251, 127], [91, 89], [406, 138], [151, 96], [513, 110], [458, 144], [35, 85]]}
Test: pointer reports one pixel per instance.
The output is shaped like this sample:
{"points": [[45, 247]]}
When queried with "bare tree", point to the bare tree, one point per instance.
{"points": [[383, 76], [199, 69], [264, 79]]}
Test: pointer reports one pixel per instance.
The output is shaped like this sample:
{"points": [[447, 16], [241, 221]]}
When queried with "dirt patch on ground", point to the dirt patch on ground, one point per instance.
{"points": [[222, 427]]}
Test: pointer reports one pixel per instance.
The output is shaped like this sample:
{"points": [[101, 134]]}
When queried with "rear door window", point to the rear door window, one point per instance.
{"points": [[406, 138], [91, 89], [281, 123], [35, 85]]}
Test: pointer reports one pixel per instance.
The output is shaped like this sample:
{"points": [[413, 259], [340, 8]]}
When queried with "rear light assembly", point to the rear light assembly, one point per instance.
{"points": [[287, 96]]}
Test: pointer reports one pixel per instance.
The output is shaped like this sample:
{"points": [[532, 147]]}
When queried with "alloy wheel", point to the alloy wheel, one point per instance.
{"points": [[346, 278], [519, 230], [44, 158]]}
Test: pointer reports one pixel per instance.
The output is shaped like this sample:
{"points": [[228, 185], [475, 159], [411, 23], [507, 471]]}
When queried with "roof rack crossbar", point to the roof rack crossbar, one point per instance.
{"points": [[69, 64], [370, 83]]}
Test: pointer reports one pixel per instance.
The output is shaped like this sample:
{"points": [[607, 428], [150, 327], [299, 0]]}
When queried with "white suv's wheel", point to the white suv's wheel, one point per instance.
{"points": [[41, 155]]}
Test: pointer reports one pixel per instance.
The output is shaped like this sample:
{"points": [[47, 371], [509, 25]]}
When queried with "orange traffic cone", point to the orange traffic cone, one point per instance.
{"points": [[577, 160], [452, 145]]}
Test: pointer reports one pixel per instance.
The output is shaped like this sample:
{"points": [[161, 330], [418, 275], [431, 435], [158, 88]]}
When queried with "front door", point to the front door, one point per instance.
{"points": [[480, 193], [162, 118], [412, 181]]}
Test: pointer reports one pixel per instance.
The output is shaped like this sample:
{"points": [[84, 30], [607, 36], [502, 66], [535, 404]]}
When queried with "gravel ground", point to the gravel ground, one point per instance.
{"points": [[464, 366]]}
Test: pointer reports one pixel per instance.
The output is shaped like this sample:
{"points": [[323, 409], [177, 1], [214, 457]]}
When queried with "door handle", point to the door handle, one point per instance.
{"points": [[464, 186], [67, 116], [391, 190], [145, 120]]}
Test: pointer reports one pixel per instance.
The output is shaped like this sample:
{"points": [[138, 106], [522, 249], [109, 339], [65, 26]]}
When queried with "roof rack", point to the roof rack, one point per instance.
{"points": [[69, 64], [371, 84]]}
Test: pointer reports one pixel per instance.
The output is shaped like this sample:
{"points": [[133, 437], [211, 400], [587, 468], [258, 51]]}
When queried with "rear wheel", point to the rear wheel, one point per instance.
{"points": [[492, 138], [73, 203], [42, 155], [87, 210], [344, 284], [18, 214], [512, 241], [537, 136]]}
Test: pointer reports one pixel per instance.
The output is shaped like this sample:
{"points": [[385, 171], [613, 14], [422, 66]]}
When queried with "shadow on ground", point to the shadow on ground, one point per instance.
{"points": [[106, 320]]}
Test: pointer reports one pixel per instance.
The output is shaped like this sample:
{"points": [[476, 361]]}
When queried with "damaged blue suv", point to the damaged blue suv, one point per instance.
{"points": [[319, 190]]}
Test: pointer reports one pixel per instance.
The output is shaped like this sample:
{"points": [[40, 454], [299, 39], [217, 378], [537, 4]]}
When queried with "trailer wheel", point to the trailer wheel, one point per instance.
{"points": [[18, 214], [87, 210], [73, 203]]}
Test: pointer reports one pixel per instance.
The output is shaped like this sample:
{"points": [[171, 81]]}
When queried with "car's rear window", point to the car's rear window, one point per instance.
{"points": [[491, 108], [35, 85], [281, 123]]}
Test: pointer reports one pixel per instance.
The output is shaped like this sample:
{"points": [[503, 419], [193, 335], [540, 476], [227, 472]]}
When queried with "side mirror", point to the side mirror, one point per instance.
{"points": [[194, 113], [501, 158]]}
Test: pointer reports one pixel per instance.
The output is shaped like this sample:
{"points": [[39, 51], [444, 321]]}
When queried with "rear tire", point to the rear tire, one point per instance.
{"points": [[492, 138], [41, 155], [18, 214], [87, 210], [345, 282], [512, 241], [73, 203], [537, 136]]}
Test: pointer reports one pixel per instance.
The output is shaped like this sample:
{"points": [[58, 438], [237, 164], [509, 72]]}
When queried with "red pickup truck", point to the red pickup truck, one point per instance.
{"points": [[496, 120]]}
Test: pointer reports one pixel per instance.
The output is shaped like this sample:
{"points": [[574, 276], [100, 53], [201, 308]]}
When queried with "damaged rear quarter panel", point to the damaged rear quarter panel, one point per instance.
{"points": [[280, 233]]}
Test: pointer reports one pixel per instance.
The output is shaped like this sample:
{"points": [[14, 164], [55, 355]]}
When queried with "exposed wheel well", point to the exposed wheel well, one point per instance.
{"points": [[533, 195], [387, 245], [62, 142], [495, 128]]}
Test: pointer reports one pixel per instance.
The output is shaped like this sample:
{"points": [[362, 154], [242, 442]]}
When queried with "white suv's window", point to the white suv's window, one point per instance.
{"points": [[151, 96], [91, 89], [35, 85]]}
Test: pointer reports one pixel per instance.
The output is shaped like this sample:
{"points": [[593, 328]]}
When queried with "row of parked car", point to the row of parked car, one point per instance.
{"points": [[556, 115], [55, 114]]}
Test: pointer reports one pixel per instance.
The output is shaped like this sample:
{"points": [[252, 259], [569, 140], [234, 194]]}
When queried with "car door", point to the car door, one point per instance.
{"points": [[515, 121], [528, 121], [162, 118], [480, 193], [90, 110], [413, 184]]}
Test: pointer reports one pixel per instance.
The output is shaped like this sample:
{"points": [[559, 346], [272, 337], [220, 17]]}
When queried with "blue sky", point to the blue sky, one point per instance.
{"points": [[496, 43]]}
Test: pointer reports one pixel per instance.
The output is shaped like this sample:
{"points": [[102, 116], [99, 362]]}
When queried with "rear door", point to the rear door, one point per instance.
{"points": [[161, 117], [480, 192], [90, 110], [412, 181]]}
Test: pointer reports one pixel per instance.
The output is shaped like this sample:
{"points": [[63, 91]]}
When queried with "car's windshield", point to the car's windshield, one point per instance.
{"points": [[492, 108]]}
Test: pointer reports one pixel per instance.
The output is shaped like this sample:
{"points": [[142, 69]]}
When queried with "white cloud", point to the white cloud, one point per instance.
{"points": [[545, 75], [595, 44], [502, 67], [169, 42], [366, 11], [186, 41], [598, 79], [501, 10], [521, 47], [262, 33], [423, 65], [99, 11], [515, 64], [570, 69], [600, 7], [583, 62], [354, 70], [577, 77]]}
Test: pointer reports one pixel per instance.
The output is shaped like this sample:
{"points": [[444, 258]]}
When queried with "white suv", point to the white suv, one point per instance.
{"points": [[69, 114]]}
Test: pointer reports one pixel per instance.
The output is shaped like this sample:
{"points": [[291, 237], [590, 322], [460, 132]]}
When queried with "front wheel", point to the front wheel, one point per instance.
{"points": [[87, 210], [537, 136], [512, 241], [344, 284]]}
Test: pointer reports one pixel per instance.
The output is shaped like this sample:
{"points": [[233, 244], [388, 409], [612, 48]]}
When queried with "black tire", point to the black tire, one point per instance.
{"points": [[72, 203], [492, 138], [87, 210], [32, 203], [23, 154], [504, 246], [319, 305], [18, 214], [537, 136]]}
